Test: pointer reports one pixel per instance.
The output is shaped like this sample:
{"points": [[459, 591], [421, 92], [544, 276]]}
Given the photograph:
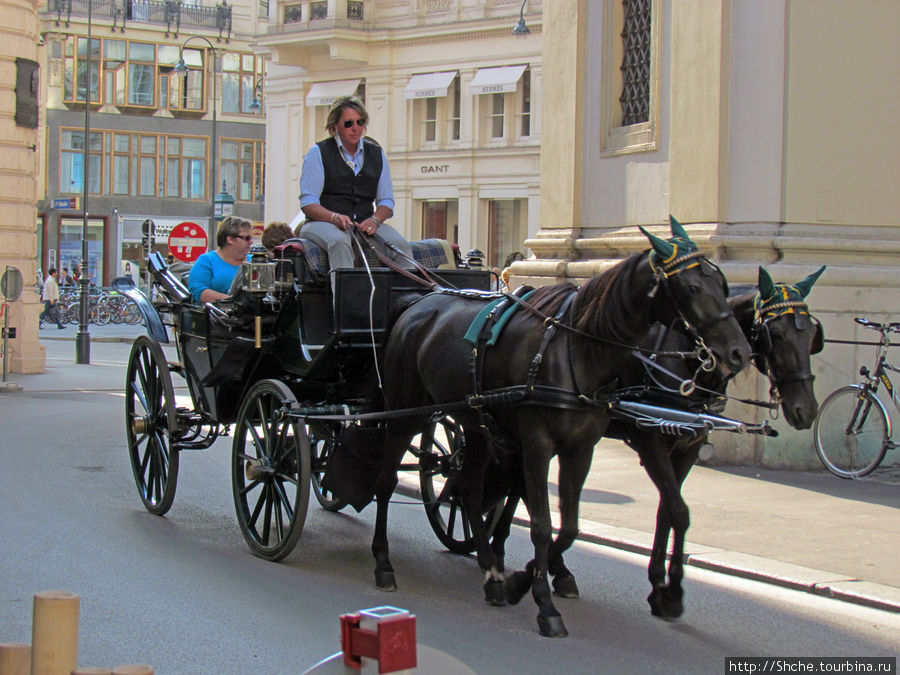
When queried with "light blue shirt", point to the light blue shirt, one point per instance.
{"points": [[210, 271], [312, 178]]}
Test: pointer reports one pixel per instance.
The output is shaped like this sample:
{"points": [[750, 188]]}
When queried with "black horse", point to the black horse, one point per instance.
{"points": [[783, 334], [561, 357]]}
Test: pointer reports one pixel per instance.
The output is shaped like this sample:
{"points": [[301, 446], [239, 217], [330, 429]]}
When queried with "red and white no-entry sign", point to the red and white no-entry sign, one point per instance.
{"points": [[187, 242]]}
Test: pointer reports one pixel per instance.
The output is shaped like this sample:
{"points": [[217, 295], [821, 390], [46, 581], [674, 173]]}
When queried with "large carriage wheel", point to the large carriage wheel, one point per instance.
{"points": [[270, 462], [322, 441], [440, 454], [150, 420]]}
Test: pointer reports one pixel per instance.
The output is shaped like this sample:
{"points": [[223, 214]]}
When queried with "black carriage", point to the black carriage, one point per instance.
{"points": [[287, 366]]}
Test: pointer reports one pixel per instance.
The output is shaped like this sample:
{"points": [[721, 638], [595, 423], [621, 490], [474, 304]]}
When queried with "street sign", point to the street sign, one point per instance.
{"points": [[66, 203], [187, 242]]}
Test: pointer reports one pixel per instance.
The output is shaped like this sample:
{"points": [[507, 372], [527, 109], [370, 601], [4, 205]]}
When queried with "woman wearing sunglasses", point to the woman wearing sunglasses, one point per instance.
{"points": [[211, 276], [346, 183]]}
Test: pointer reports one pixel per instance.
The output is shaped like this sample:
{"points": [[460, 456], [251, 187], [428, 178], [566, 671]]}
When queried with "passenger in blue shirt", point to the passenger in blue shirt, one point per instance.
{"points": [[346, 183], [214, 271]]}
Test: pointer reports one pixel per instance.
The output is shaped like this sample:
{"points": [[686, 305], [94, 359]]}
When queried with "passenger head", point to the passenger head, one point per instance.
{"points": [[275, 233], [232, 226]]}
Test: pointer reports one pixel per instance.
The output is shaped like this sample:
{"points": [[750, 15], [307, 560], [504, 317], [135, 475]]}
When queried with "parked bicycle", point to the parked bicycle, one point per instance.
{"points": [[853, 427], [105, 306]]}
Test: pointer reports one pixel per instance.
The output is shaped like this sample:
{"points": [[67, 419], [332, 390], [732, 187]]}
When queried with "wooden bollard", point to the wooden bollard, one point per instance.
{"points": [[15, 658], [133, 669], [54, 633]]}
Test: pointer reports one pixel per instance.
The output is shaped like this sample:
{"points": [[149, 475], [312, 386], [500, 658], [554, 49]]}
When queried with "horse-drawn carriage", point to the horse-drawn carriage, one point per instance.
{"points": [[329, 380]]}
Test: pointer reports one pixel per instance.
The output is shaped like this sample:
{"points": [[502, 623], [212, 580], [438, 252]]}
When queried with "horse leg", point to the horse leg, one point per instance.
{"points": [[471, 489], [396, 442], [573, 470], [536, 465], [665, 597]]}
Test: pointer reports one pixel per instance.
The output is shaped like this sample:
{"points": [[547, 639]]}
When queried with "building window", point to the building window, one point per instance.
{"points": [[242, 166], [496, 116], [507, 229], [240, 74], [430, 120], [148, 165], [187, 92], [525, 127], [71, 165], [141, 71], [629, 78], [635, 97], [318, 10], [75, 81], [355, 10], [293, 14], [454, 109]]}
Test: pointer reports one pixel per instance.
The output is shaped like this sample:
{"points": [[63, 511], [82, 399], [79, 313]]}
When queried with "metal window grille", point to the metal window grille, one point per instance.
{"points": [[355, 10], [318, 10], [635, 98], [293, 13]]}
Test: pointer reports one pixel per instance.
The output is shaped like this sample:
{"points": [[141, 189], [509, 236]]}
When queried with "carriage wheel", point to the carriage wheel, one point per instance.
{"points": [[322, 440], [440, 461], [150, 420], [270, 462]]}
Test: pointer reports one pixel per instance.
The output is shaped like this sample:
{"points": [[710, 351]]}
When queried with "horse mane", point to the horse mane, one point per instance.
{"points": [[605, 306]]}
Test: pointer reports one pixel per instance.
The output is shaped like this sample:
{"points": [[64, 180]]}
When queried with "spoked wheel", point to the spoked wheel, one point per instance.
{"points": [[150, 423], [322, 440], [270, 467], [851, 432], [440, 455]]}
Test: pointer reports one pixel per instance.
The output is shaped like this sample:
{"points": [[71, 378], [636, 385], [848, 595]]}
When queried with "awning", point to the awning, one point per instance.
{"points": [[496, 80], [429, 85], [325, 93]]}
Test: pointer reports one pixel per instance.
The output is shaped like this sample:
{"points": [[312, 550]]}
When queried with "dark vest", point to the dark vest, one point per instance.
{"points": [[343, 192]]}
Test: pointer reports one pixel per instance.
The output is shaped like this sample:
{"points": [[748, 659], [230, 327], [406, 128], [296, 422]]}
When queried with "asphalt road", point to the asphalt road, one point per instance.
{"points": [[183, 594]]}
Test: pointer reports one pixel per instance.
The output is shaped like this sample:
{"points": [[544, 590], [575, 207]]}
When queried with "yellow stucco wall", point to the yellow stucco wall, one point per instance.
{"points": [[842, 147]]}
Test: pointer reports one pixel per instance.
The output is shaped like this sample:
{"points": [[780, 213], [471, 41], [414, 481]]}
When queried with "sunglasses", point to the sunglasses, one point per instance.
{"points": [[349, 123], [245, 237]]}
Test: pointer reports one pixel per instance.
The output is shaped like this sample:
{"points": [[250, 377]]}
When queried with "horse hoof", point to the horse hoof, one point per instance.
{"points": [[664, 604], [494, 593], [515, 586], [565, 586], [385, 581], [552, 626]]}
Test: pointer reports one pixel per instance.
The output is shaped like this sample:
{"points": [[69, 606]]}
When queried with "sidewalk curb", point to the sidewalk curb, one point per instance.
{"points": [[745, 566]]}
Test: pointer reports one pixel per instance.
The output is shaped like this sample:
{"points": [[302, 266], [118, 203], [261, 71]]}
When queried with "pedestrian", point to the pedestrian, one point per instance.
{"points": [[51, 300], [65, 279], [346, 183]]}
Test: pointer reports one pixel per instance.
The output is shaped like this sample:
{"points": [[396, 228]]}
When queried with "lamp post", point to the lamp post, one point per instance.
{"points": [[182, 69], [521, 30], [256, 103], [83, 337]]}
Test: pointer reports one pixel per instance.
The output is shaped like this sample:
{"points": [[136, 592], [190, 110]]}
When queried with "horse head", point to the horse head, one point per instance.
{"points": [[699, 296], [784, 335]]}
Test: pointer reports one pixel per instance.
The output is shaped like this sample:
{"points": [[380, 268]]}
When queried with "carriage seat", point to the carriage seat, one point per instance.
{"points": [[430, 253]]}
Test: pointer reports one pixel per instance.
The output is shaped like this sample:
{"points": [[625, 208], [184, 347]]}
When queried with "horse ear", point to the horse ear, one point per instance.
{"points": [[765, 284], [677, 230], [661, 246], [805, 286]]}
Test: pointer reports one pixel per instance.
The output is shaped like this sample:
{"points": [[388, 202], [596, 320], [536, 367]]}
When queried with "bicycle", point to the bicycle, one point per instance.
{"points": [[853, 427]]}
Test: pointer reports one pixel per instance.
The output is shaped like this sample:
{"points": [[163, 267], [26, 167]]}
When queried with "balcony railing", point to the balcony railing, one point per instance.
{"points": [[174, 14]]}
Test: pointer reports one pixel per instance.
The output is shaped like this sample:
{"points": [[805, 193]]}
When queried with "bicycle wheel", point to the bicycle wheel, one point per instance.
{"points": [[851, 432]]}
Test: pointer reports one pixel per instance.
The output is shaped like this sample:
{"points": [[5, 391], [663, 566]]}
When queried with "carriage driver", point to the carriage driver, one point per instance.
{"points": [[343, 177], [214, 271]]}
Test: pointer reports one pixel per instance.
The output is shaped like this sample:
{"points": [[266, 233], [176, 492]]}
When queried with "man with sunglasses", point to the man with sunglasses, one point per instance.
{"points": [[214, 271], [346, 183]]}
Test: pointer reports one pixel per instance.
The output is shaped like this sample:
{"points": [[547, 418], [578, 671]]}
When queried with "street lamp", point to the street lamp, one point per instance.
{"points": [[182, 69], [83, 336], [521, 30], [223, 204]]}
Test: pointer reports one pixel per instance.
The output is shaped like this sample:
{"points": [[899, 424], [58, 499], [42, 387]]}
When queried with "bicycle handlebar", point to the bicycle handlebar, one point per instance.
{"points": [[893, 327]]}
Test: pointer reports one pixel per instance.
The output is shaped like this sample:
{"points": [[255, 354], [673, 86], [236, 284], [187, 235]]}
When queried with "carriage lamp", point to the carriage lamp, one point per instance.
{"points": [[258, 278], [475, 258], [258, 273]]}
